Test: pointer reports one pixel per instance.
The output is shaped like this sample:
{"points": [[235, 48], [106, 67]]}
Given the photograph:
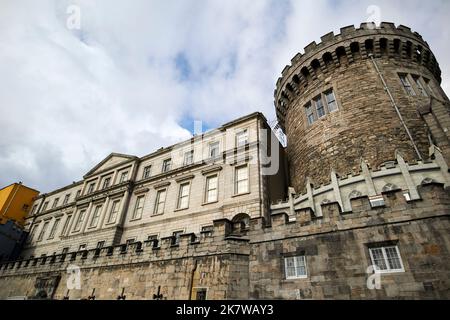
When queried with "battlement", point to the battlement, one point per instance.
{"points": [[220, 240], [434, 202], [351, 44], [397, 174]]}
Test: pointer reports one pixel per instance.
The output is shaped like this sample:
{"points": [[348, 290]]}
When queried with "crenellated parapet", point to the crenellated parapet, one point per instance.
{"points": [[219, 241], [368, 183], [352, 44], [434, 202]]}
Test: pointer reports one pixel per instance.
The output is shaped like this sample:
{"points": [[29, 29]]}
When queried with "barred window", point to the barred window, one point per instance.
{"points": [[295, 267], [386, 259]]}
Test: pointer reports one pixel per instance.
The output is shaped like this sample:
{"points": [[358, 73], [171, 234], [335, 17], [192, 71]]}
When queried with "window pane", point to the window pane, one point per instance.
{"points": [[378, 258], [242, 138], [407, 85], [310, 114], [393, 258], [300, 266], [331, 101], [290, 267], [319, 107]]}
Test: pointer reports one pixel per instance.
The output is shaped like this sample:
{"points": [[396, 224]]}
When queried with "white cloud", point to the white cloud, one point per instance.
{"points": [[68, 98]]}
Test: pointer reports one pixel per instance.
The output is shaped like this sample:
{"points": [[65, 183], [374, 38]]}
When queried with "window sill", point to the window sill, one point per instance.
{"points": [[241, 194], [389, 271], [296, 278], [181, 209], [208, 203], [157, 214], [135, 219]]}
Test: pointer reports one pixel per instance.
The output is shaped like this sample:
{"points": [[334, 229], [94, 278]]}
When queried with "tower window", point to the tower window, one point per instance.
{"points": [[407, 85], [320, 108], [420, 87], [331, 101], [310, 113]]}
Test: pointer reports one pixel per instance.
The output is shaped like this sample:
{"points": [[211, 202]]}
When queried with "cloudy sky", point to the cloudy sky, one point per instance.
{"points": [[137, 73]]}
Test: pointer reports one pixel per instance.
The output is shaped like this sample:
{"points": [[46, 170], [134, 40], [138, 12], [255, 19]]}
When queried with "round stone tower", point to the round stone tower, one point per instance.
{"points": [[356, 97]]}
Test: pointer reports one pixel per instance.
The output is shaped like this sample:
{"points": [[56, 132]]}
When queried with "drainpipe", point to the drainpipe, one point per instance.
{"points": [[394, 104]]}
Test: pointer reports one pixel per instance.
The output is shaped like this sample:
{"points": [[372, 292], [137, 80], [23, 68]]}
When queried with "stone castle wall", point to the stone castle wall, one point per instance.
{"points": [[236, 266], [366, 125]]}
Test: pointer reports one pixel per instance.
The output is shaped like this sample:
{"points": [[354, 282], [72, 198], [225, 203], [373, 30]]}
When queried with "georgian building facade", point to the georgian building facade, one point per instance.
{"points": [[173, 191]]}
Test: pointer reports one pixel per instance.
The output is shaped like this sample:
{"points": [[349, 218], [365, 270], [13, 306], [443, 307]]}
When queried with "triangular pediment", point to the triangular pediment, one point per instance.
{"points": [[110, 161]]}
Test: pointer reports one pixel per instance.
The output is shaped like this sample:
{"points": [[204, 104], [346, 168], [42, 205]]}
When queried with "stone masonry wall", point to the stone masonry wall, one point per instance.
{"points": [[337, 255], [366, 124]]}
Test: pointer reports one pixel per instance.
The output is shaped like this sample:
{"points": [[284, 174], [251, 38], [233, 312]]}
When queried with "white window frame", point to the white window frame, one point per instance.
{"points": [[181, 197], [138, 208], [80, 220], [188, 158], [106, 183], [167, 165], [124, 176], [66, 199], [386, 260], [43, 230], [147, 172], [55, 203], [113, 212], [236, 181], [91, 187], [215, 145], [160, 201], [208, 189], [242, 142], [296, 267], [66, 224], [54, 228], [96, 216]]}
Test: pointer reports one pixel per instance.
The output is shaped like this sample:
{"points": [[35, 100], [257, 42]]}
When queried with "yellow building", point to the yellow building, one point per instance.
{"points": [[15, 202]]}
